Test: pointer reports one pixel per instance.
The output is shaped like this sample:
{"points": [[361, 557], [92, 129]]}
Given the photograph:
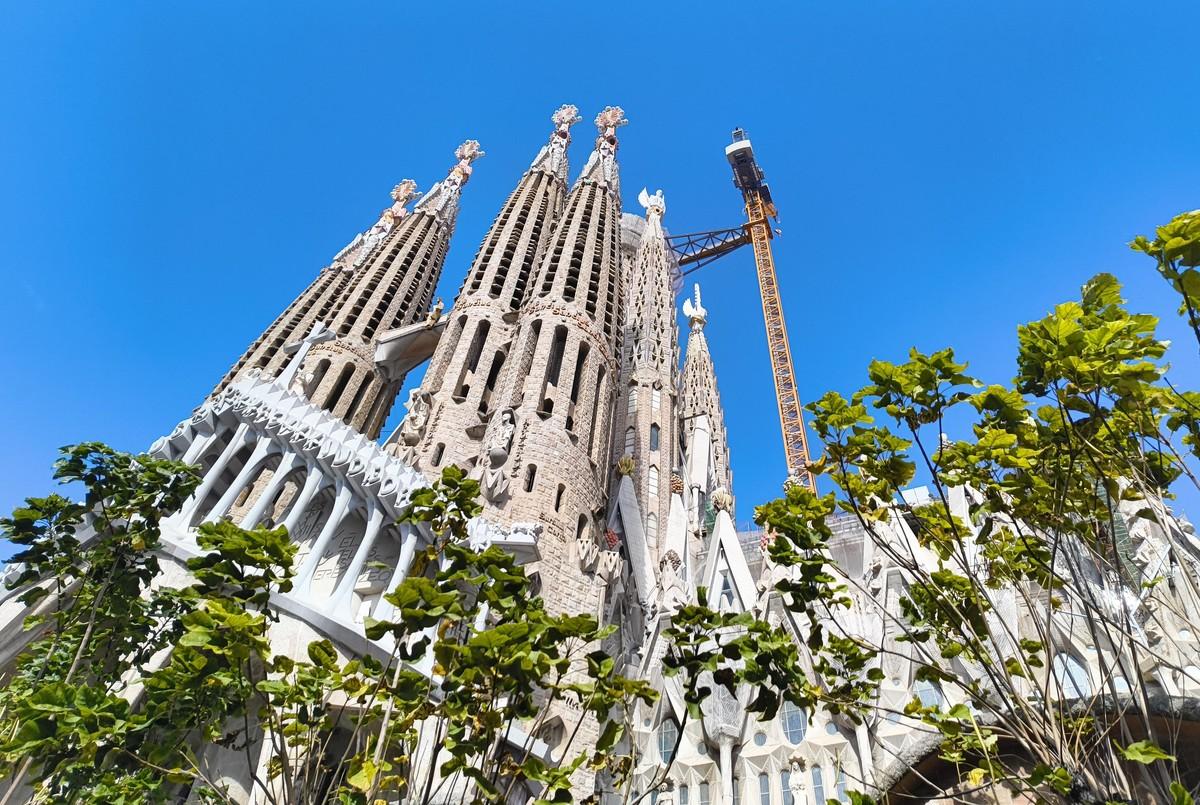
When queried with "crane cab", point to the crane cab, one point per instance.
{"points": [[747, 176]]}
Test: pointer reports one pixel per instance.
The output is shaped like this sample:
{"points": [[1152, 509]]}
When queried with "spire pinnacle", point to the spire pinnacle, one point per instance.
{"points": [[656, 205], [696, 313], [442, 199], [602, 164], [354, 253], [553, 156]]}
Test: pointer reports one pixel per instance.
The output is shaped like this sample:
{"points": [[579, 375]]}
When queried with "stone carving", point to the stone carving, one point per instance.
{"points": [[796, 785], [607, 123], [875, 575], [722, 500], [672, 593], [696, 313], [493, 481], [435, 313], [442, 199], [413, 426], [563, 118], [654, 205]]}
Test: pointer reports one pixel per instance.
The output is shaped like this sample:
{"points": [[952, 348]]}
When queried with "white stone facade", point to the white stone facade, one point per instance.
{"points": [[556, 380]]}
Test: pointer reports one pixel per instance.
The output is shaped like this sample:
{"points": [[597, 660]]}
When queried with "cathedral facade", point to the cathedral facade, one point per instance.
{"points": [[560, 380]]}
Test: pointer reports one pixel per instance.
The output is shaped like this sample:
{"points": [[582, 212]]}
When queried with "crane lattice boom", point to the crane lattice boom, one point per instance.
{"points": [[704, 247]]}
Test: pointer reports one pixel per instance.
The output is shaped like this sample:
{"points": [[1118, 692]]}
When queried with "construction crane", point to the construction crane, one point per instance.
{"points": [[700, 248]]}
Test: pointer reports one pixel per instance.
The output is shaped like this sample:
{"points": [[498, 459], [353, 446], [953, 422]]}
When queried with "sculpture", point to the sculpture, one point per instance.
{"points": [[493, 481], [654, 205], [796, 784], [413, 426]]}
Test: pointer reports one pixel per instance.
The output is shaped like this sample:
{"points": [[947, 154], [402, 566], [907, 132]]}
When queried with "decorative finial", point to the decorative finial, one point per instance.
{"points": [[607, 123], [722, 499], [696, 313], [655, 205], [564, 118], [405, 192], [466, 153]]}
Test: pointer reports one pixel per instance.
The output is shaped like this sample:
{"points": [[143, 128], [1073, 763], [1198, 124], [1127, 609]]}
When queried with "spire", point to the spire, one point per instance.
{"points": [[442, 199], [656, 207], [356, 251], [698, 393], [696, 314], [602, 164], [553, 156]]}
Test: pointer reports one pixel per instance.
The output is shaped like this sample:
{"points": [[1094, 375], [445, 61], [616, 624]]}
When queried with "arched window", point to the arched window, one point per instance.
{"points": [[558, 496], [654, 437], [652, 526], [737, 791], [629, 437], [764, 789], [655, 399], [530, 477], [841, 785], [631, 408], [795, 722], [652, 478], [704, 794], [785, 786], [929, 693], [1071, 676], [818, 785], [668, 736], [683, 795]]}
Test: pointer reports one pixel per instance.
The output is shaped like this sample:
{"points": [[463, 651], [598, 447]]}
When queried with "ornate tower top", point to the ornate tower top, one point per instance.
{"points": [[553, 156], [442, 199], [696, 313], [656, 205], [602, 164]]}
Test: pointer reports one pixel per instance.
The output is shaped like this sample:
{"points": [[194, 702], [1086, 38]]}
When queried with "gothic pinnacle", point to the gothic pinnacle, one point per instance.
{"points": [[442, 199], [553, 156], [696, 313], [602, 164]]}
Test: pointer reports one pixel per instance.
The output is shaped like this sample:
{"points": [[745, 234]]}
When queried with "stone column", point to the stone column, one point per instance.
{"points": [[727, 769], [408, 548], [308, 567], [312, 484], [343, 594], [267, 496], [240, 437], [864, 755], [244, 476]]}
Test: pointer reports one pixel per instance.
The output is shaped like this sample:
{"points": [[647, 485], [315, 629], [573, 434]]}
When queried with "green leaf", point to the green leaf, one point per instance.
{"points": [[1143, 752]]}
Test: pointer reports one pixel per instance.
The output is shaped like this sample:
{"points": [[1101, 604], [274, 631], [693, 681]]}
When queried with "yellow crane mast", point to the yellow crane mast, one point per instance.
{"points": [[698, 249]]}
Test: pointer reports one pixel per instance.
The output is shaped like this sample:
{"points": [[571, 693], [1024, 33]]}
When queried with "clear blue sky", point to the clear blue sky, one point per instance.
{"points": [[173, 173]]}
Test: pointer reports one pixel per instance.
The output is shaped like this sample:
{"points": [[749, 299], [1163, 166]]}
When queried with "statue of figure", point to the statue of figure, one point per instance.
{"points": [[796, 781], [654, 205], [493, 481], [875, 575], [672, 593], [435, 313], [413, 426]]}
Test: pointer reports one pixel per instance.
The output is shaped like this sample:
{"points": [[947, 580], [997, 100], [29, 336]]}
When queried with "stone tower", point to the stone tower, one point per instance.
{"points": [[393, 289], [382, 280], [447, 415], [317, 303], [546, 447], [698, 397], [644, 429]]}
